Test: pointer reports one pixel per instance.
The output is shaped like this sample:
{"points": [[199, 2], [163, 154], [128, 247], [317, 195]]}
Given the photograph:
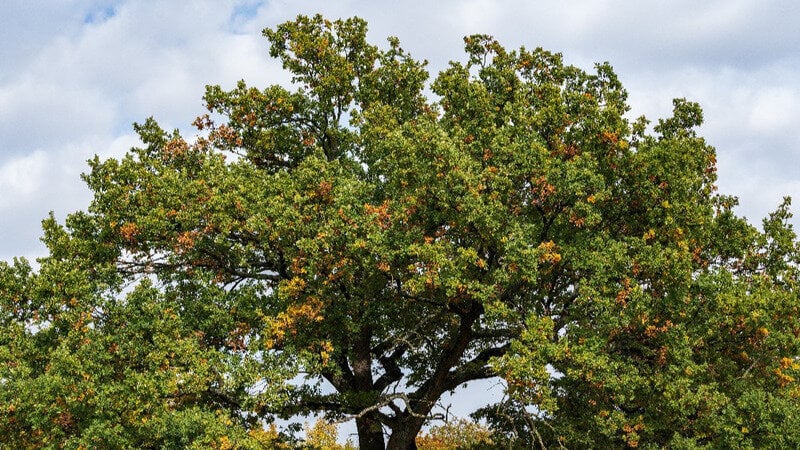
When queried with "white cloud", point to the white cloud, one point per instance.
{"points": [[20, 178], [774, 109], [119, 146], [38, 113], [473, 15]]}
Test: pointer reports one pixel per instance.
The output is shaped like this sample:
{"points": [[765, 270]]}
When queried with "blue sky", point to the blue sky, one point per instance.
{"points": [[75, 74]]}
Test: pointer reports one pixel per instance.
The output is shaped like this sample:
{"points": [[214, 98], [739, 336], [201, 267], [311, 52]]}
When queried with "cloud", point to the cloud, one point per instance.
{"points": [[20, 178], [28, 26], [38, 113], [474, 15], [774, 109], [31, 185]]}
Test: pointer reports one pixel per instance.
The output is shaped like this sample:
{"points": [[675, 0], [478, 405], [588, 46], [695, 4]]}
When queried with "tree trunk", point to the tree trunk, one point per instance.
{"points": [[370, 433], [404, 437]]}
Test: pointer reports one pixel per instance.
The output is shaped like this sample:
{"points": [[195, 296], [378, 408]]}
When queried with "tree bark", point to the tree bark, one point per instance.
{"points": [[404, 436], [370, 429], [370, 433]]}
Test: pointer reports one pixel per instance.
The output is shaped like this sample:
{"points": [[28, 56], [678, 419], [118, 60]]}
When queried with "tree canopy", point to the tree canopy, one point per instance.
{"points": [[365, 241]]}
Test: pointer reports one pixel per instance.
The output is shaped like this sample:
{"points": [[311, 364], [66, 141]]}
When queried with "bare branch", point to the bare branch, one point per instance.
{"points": [[388, 401]]}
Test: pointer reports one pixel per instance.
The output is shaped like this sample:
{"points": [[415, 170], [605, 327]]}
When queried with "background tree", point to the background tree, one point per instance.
{"points": [[455, 435], [354, 231]]}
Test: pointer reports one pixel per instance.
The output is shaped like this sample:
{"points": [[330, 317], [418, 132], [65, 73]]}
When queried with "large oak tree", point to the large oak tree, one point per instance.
{"points": [[357, 230]]}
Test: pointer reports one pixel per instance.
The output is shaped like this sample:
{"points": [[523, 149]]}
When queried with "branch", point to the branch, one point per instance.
{"points": [[434, 386], [392, 370], [475, 369], [495, 333], [388, 401]]}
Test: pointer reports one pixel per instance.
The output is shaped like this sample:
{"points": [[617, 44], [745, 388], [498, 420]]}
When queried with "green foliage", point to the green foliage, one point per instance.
{"points": [[85, 366], [355, 232]]}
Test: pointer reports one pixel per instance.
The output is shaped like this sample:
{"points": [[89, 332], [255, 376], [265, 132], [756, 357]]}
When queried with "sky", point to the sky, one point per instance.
{"points": [[75, 75]]}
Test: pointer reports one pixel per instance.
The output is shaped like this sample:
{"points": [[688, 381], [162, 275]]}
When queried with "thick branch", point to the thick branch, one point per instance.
{"points": [[475, 369], [341, 379], [392, 369], [432, 388]]}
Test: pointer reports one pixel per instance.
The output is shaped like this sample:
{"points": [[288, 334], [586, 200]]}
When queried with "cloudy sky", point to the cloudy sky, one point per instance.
{"points": [[75, 74]]}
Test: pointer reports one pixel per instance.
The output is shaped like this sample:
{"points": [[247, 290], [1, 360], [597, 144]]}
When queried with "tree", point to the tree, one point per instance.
{"points": [[356, 232], [456, 435]]}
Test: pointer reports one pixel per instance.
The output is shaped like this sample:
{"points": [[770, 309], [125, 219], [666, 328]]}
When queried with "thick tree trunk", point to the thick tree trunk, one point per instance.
{"points": [[370, 429], [404, 437], [370, 433]]}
